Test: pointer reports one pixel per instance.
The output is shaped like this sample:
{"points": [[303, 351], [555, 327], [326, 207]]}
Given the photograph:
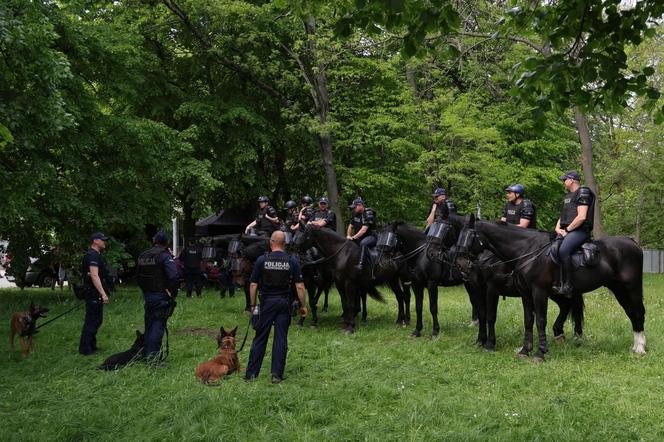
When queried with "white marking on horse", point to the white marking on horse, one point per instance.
{"points": [[639, 346]]}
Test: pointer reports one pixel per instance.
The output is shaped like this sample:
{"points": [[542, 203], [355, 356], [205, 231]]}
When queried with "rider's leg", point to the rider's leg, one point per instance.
{"points": [[570, 244], [365, 243]]}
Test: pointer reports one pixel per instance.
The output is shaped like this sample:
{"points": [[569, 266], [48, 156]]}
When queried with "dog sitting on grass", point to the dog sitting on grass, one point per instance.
{"points": [[24, 325], [119, 360], [225, 363]]}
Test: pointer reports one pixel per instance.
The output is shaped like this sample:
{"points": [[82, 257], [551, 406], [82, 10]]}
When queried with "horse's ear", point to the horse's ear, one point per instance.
{"points": [[232, 333]]}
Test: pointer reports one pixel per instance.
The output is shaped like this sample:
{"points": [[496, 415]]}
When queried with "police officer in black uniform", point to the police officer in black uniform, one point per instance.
{"points": [[519, 211], [158, 278], [191, 258], [574, 226], [273, 274], [267, 220], [291, 221], [362, 228], [307, 210], [324, 217], [94, 271], [439, 198]]}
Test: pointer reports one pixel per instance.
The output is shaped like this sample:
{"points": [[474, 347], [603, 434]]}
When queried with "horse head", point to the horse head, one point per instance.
{"points": [[468, 246]]}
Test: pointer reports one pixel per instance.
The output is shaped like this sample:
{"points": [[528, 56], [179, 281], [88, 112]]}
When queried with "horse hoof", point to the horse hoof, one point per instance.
{"points": [[324, 309], [489, 349], [538, 359], [559, 338], [435, 336], [416, 334], [474, 323], [521, 355]]}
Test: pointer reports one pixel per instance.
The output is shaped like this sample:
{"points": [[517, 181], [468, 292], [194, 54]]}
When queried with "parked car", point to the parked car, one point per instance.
{"points": [[40, 273]]}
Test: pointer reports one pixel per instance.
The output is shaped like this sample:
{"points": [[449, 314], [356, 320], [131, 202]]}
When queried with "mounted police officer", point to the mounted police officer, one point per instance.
{"points": [[519, 211], [439, 198], [191, 258], [362, 228], [95, 293], [158, 279], [273, 273], [324, 217], [267, 220], [574, 226], [307, 210], [291, 221]]}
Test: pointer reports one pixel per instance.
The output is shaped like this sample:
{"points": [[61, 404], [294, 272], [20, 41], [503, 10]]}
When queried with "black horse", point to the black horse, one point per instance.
{"points": [[492, 278], [318, 280], [342, 256], [620, 269]]}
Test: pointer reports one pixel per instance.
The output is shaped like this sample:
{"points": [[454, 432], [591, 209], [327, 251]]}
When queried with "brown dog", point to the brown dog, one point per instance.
{"points": [[226, 363], [23, 324]]}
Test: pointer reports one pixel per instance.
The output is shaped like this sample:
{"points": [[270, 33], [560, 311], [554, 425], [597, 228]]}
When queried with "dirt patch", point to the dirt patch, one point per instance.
{"points": [[198, 331]]}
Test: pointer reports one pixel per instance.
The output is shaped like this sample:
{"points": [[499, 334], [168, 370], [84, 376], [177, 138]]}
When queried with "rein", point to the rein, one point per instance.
{"points": [[327, 258], [410, 254], [246, 333]]}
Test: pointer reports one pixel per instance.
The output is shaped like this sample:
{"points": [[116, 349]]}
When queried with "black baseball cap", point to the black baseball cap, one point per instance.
{"points": [[356, 202], [98, 235], [161, 238], [573, 174]]}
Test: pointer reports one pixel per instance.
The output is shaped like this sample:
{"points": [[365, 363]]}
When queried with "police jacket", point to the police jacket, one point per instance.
{"points": [[93, 258], [274, 273], [327, 215], [366, 218], [156, 271], [526, 210], [262, 223], [191, 258], [439, 213], [582, 197], [291, 219]]}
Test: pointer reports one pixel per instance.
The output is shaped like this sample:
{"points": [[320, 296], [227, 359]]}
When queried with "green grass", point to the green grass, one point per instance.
{"points": [[378, 384]]}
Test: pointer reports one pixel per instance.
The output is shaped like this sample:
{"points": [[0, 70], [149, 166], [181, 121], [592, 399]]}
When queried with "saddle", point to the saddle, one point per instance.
{"points": [[587, 256]]}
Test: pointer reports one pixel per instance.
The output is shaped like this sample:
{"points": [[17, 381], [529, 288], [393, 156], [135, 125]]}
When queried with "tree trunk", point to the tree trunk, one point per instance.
{"points": [[587, 163], [642, 202], [322, 103], [188, 221]]}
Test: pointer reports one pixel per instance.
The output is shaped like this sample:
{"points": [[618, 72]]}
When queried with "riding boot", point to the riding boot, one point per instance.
{"points": [[566, 288], [363, 253]]}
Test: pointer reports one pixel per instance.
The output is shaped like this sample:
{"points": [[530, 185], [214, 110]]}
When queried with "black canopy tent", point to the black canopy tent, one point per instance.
{"points": [[222, 223]]}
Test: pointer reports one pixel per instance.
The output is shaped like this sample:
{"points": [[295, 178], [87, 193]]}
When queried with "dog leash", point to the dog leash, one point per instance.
{"points": [[60, 315], [246, 333]]}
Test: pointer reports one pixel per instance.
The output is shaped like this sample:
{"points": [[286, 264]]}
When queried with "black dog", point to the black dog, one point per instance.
{"points": [[119, 360]]}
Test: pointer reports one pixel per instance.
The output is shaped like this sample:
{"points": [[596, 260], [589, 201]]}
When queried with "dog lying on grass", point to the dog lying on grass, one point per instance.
{"points": [[23, 324], [225, 363], [119, 360]]}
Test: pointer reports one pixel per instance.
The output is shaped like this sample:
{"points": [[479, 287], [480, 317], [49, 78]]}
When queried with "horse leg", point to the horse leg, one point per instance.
{"points": [[433, 308], [406, 301], [475, 314], [565, 306], [247, 299], [577, 314], [631, 300], [398, 294], [528, 321], [363, 298], [491, 315], [419, 298], [540, 302], [327, 293]]}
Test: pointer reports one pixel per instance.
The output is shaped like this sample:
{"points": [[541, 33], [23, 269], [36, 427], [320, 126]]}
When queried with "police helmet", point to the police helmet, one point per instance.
{"points": [[323, 200], [356, 202], [439, 191], [307, 200], [263, 199], [516, 188], [290, 204]]}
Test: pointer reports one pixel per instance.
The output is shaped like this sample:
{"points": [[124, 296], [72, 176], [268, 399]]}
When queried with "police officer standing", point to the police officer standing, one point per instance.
{"points": [[191, 258], [158, 278], [273, 274], [267, 220], [519, 211], [574, 226], [362, 228], [93, 269], [439, 199], [324, 217]]}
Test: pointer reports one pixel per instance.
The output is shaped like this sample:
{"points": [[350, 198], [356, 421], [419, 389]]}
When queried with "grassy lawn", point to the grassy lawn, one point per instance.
{"points": [[378, 384]]}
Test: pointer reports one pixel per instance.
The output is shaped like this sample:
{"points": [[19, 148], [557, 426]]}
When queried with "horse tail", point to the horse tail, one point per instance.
{"points": [[375, 294], [578, 306]]}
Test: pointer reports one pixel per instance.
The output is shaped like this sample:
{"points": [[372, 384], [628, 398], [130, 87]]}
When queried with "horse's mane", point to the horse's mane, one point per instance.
{"points": [[519, 232], [394, 225], [253, 251], [326, 233]]}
